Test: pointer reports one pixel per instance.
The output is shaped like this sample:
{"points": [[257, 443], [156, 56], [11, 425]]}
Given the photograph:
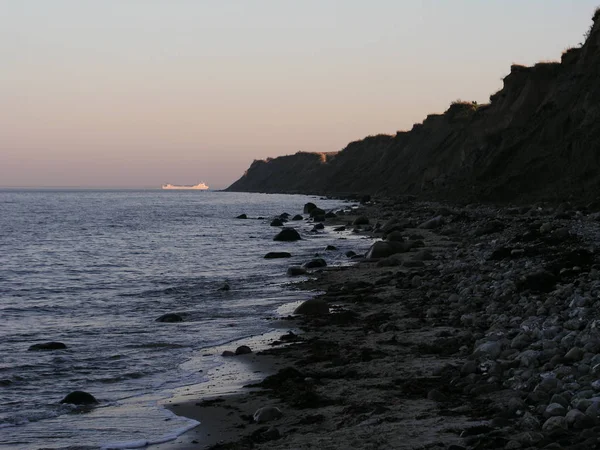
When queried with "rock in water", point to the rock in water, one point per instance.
{"points": [[274, 255], [170, 318], [383, 249], [287, 235], [315, 263], [308, 207], [243, 350], [242, 216], [47, 346], [267, 414], [297, 217], [79, 398], [294, 271], [313, 307], [277, 223], [361, 220]]}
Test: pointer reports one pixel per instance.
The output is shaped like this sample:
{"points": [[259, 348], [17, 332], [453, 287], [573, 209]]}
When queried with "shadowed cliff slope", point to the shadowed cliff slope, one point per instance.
{"points": [[538, 138]]}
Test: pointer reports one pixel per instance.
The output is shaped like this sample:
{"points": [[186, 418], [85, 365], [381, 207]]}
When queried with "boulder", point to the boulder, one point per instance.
{"points": [[294, 271], [79, 398], [47, 346], [277, 222], [297, 217], [170, 318], [317, 212], [330, 247], [433, 223], [319, 226], [274, 255], [243, 350], [361, 220], [242, 216], [267, 414], [313, 307], [287, 235], [315, 263], [395, 236], [342, 228], [330, 215], [383, 249], [308, 207], [225, 287], [228, 353]]}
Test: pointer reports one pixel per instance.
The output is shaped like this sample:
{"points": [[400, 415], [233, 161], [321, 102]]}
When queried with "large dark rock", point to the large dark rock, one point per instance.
{"points": [[317, 212], [274, 255], [242, 216], [287, 235], [170, 318], [294, 271], [79, 398], [308, 207], [277, 222], [297, 217], [361, 220], [243, 350], [383, 249], [313, 307], [315, 263], [541, 281], [47, 346]]}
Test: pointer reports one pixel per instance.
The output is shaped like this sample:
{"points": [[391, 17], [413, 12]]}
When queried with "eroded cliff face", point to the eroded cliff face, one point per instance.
{"points": [[538, 138]]}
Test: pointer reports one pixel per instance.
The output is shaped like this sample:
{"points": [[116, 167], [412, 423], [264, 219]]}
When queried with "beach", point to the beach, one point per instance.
{"points": [[466, 340]]}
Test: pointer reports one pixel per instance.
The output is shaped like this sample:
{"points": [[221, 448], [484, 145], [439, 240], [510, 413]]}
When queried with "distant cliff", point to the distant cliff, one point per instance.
{"points": [[538, 138]]}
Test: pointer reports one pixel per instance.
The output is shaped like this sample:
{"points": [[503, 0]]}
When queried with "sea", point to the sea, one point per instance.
{"points": [[94, 269]]}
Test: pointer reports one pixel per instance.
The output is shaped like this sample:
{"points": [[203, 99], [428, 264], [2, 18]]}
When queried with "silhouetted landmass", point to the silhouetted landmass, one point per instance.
{"points": [[538, 138]]}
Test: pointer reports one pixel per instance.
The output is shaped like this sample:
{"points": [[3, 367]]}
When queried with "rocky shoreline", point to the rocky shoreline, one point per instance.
{"points": [[471, 327]]}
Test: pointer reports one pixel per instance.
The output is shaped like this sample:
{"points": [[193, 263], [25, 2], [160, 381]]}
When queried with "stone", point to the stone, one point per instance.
{"points": [[383, 249], [578, 420], [555, 409], [287, 235], [555, 426], [541, 281], [267, 414], [433, 223], [242, 216], [490, 350], [317, 214], [350, 253], [574, 355], [79, 398], [361, 220], [331, 248], [313, 307], [228, 353], [436, 396], [297, 217], [395, 236], [315, 263], [170, 318], [308, 207], [318, 226], [275, 255], [243, 350], [294, 271], [277, 223], [47, 346], [225, 287]]}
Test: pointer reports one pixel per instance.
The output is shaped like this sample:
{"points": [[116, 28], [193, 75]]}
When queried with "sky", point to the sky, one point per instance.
{"points": [[137, 93]]}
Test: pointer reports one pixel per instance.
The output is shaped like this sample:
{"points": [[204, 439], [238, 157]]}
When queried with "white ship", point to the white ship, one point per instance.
{"points": [[197, 187]]}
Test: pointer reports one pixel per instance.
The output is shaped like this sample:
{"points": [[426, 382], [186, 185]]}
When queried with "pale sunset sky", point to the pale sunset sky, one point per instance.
{"points": [[136, 93]]}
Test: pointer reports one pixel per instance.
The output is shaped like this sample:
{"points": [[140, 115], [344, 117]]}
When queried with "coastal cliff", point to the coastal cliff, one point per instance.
{"points": [[537, 138]]}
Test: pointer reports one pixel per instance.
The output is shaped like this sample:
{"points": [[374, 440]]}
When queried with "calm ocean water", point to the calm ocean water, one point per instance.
{"points": [[94, 269]]}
